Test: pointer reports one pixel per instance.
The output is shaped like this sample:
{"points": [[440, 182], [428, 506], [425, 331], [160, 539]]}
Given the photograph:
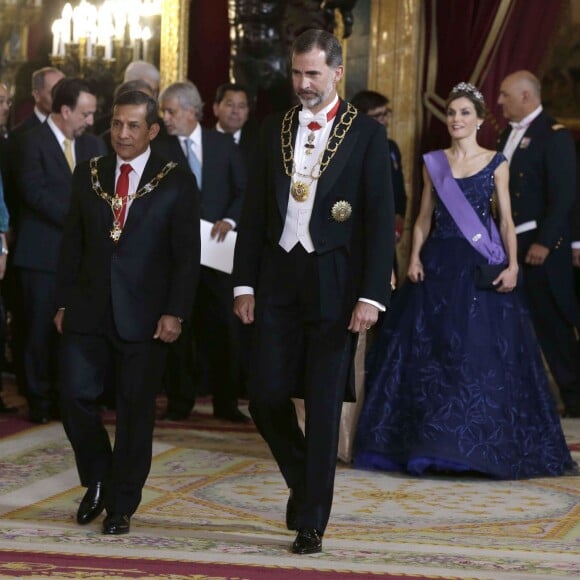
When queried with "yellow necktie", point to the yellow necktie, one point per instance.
{"points": [[69, 154]]}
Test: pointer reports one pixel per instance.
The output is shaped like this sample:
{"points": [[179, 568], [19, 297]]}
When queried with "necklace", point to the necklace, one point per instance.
{"points": [[300, 190], [116, 202]]}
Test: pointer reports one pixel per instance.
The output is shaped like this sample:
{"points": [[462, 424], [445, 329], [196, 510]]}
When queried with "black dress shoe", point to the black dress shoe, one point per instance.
{"points": [[308, 541], [39, 417], [232, 415], [91, 504], [175, 416], [5, 409], [115, 525]]}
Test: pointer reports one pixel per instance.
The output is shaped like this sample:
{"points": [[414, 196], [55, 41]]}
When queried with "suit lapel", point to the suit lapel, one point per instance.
{"points": [[282, 179], [55, 148], [106, 168], [340, 158]]}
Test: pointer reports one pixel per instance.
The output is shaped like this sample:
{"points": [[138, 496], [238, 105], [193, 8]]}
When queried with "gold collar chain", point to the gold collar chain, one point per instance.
{"points": [[300, 190], [337, 136], [116, 202]]}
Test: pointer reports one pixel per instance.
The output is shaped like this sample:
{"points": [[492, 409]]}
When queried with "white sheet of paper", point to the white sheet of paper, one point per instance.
{"points": [[214, 254]]}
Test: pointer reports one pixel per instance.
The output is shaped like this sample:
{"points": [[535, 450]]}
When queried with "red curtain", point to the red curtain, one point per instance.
{"points": [[461, 30], [209, 50]]}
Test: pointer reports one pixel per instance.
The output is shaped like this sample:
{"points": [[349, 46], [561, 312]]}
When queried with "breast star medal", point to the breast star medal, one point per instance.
{"points": [[341, 211], [300, 191]]}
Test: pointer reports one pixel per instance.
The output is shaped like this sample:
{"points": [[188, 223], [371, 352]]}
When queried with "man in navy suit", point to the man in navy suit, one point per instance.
{"points": [[216, 162], [542, 164], [126, 281], [312, 267], [45, 177]]}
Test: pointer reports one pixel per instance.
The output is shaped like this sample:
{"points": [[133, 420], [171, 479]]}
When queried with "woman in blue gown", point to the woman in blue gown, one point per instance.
{"points": [[455, 379]]}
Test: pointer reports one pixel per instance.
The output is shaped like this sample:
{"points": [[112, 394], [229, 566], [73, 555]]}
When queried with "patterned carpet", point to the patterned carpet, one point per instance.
{"points": [[214, 504]]}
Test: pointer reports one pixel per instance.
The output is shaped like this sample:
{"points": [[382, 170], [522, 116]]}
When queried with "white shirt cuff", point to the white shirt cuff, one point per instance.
{"points": [[241, 290], [380, 306], [231, 222], [576, 245]]}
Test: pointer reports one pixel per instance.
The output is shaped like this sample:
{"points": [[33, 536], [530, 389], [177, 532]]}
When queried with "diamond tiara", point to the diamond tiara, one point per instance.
{"points": [[468, 88]]}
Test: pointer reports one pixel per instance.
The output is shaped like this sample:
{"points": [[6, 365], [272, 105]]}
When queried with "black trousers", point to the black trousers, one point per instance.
{"points": [[85, 362], [210, 364], [297, 351], [38, 292]]}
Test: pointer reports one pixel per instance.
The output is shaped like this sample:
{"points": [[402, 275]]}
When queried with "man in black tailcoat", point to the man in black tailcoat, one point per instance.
{"points": [[312, 268], [542, 162]]}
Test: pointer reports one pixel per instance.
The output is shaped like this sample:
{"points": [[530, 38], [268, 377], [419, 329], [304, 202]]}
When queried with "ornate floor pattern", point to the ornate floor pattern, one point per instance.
{"points": [[215, 497]]}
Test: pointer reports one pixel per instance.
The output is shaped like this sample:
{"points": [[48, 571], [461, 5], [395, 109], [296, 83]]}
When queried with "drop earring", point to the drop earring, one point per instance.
{"points": [[478, 127]]}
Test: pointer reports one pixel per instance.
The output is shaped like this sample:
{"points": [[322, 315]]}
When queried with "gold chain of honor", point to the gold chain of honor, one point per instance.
{"points": [[116, 202], [300, 190]]}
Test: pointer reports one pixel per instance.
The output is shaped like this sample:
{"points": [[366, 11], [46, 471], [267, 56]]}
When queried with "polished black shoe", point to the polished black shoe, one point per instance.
{"points": [[291, 511], [308, 541], [174, 416], [115, 525], [5, 409], [39, 417], [91, 504], [233, 415]]}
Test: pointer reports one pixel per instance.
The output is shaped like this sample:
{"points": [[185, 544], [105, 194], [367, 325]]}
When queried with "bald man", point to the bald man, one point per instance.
{"points": [[542, 162]]}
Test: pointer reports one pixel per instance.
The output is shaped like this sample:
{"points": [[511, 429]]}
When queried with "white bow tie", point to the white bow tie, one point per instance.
{"points": [[305, 117]]}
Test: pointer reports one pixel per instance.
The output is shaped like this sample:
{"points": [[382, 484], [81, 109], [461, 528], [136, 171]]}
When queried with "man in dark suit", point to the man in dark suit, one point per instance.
{"points": [[43, 80], [45, 177], [231, 107], [541, 155], [312, 267], [126, 280], [217, 165]]}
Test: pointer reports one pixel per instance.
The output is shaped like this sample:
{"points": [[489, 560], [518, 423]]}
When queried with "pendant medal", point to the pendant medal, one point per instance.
{"points": [[300, 191], [117, 203], [115, 233]]}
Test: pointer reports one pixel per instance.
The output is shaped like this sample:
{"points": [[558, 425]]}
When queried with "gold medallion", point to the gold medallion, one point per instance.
{"points": [[115, 233], [117, 203], [341, 211], [300, 191]]}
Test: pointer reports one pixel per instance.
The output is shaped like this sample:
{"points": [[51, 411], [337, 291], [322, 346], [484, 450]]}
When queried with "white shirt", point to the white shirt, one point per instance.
{"points": [[39, 114], [137, 168], [298, 213], [517, 132], [237, 135]]}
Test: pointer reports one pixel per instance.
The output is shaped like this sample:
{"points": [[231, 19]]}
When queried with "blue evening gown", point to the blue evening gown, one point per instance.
{"points": [[455, 379]]}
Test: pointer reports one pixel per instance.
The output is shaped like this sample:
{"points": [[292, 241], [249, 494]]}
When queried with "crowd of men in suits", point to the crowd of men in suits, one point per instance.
{"points": [[109, 257], [38, 157]]}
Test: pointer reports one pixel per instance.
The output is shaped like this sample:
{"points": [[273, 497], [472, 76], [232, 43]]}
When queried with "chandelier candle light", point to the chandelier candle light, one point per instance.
{"points": [[116, 29]]}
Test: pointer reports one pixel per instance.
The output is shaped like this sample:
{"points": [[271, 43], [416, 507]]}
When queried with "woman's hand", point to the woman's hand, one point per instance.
{"points": [[507, 280], [415, 271]]}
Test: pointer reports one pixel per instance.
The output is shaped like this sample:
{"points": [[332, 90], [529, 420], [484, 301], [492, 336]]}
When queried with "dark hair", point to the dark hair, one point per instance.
{"points": [[234, 87], [136, 85], [365, 101], [471, 92], [323, 40], [66, 93], [139, 98]]}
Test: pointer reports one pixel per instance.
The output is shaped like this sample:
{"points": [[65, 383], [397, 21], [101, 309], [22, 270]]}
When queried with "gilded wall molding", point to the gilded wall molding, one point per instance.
{"points": [[174, 41], [395, 64]]}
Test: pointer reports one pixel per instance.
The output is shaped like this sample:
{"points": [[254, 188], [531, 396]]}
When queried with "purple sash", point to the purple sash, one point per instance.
{"points": [[463, 214]]}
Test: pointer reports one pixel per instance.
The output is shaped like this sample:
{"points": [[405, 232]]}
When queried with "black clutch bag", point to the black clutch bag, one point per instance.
{"points": [[485, 274]]}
